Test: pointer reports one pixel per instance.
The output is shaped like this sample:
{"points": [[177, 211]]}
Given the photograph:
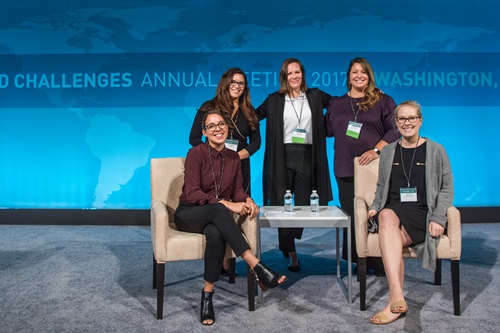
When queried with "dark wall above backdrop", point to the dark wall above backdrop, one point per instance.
{"points": [[92, 90]]}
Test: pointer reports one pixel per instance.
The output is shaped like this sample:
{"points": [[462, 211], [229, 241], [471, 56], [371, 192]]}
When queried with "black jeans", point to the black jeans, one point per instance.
{"points": [[216, 223], [299, 181]]}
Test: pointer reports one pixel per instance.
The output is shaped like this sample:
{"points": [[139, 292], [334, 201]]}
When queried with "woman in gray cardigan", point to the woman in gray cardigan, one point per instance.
{"points": [[414, 191]]}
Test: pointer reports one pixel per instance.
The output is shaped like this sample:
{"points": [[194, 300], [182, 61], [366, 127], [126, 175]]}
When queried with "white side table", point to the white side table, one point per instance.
{"points": [[302, 217]]}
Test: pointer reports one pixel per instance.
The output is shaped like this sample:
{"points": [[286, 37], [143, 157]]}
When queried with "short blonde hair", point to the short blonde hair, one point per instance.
{"points": [[413, 104]]}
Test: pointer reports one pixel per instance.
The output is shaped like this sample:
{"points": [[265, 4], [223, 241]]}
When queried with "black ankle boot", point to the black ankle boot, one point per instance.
{"points": [[266, 277], [207, 307]]}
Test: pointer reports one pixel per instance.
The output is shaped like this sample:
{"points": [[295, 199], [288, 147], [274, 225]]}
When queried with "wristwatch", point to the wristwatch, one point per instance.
{"points": [[377, 151]]}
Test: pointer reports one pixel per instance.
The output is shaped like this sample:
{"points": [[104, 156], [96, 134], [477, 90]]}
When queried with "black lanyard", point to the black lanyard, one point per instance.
{"points": [[299, 118], [403, 163], [352, 108], [234, 120], [217, 188]]}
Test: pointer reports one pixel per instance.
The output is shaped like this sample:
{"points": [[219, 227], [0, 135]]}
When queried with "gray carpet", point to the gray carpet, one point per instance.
{"points": [[98, 279]]}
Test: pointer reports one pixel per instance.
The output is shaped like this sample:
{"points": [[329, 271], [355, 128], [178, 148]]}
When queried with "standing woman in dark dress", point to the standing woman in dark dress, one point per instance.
{"points": [[211, 192], [295, 157], [414, 192], [232, 100]]}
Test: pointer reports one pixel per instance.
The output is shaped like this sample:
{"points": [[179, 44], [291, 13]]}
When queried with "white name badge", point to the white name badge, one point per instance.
{"points": [[353, 129], [299, 135], [231, 144], [408, 194]]}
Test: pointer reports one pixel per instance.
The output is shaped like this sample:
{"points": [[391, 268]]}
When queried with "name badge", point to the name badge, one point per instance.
{"points": [[353, 129], [299, 135], [408, 194], [231, 144]]}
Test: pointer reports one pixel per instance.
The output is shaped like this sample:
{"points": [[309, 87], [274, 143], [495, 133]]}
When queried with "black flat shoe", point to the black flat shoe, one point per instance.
{"points": [[294, 269], [266, 277], [207, 307]]}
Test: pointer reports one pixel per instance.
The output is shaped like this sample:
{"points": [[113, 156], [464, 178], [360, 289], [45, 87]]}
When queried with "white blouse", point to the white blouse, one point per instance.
{"points": [[297, 114]]}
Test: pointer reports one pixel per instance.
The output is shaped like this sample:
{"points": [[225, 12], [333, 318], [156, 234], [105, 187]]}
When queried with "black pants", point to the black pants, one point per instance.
{"points": [[346, 198], [299, 181], [216, 223]]}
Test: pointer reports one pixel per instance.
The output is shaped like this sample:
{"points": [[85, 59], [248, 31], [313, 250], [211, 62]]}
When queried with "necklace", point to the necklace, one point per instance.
{"points": [[403, 163], [217, 188]]}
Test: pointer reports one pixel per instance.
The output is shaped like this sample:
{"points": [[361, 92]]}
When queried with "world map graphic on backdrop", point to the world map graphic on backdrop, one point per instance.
{"points": [[91, 92]]}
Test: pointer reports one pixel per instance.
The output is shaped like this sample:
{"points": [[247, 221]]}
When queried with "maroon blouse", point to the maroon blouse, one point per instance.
{"points": [[202, 176]]}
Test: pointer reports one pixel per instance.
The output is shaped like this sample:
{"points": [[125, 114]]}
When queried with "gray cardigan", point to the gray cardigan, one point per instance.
{"points": [[439, 184]]}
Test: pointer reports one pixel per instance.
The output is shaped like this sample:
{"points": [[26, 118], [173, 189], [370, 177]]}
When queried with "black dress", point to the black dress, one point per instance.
{"points": [[412, 215]]}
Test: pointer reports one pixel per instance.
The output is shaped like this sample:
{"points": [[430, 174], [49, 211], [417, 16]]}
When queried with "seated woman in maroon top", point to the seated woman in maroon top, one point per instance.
{"points": [[212, 190]]}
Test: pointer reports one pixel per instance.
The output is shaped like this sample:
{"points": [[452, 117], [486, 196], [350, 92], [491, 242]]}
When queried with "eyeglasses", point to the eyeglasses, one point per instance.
{"points": [[239, 83], [211, 127], [412, 119]]}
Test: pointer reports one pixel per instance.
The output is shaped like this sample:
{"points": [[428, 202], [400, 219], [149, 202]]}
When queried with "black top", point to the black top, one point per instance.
{"points": [[247, 139], [417, 176]]}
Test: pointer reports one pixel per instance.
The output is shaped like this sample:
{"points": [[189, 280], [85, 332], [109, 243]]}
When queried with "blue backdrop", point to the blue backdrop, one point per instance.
{"points": [[91, 90]]}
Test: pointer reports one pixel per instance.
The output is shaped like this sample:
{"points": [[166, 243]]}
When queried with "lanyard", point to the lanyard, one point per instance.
{"points": [[299, 118], [403, 163], [234, 120], [352, 108], [217, 188]]}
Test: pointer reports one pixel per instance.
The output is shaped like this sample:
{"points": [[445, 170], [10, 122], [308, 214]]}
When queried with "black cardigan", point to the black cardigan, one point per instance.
{"points": [[273, 177]]}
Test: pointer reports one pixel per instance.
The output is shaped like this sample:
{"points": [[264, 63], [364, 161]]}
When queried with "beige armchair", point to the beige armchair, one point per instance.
{"points": [[169, 244], [450, 245]]}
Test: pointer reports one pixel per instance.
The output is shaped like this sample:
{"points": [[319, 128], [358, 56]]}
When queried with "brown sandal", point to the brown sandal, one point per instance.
{"points": [[382, 319], [399, 306]]}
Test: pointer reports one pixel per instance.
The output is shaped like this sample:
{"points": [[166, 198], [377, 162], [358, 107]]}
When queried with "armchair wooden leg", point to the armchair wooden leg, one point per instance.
{"points": [[154, 272], [362, 283], [356, 268], [437, 273], [455, 285], [160, 286], [232, 270], [251, 289]]}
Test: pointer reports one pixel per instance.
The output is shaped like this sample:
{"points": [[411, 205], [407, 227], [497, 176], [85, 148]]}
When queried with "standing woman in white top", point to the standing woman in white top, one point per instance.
{"points": [[295, 155]]}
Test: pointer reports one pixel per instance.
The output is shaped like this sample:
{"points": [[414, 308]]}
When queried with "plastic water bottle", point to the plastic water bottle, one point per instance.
{"points": [[314, 202], [288, 201]]}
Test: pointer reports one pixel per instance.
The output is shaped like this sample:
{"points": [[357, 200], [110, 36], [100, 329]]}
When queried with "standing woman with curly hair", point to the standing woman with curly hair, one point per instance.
{"points": [[362, 122]]}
